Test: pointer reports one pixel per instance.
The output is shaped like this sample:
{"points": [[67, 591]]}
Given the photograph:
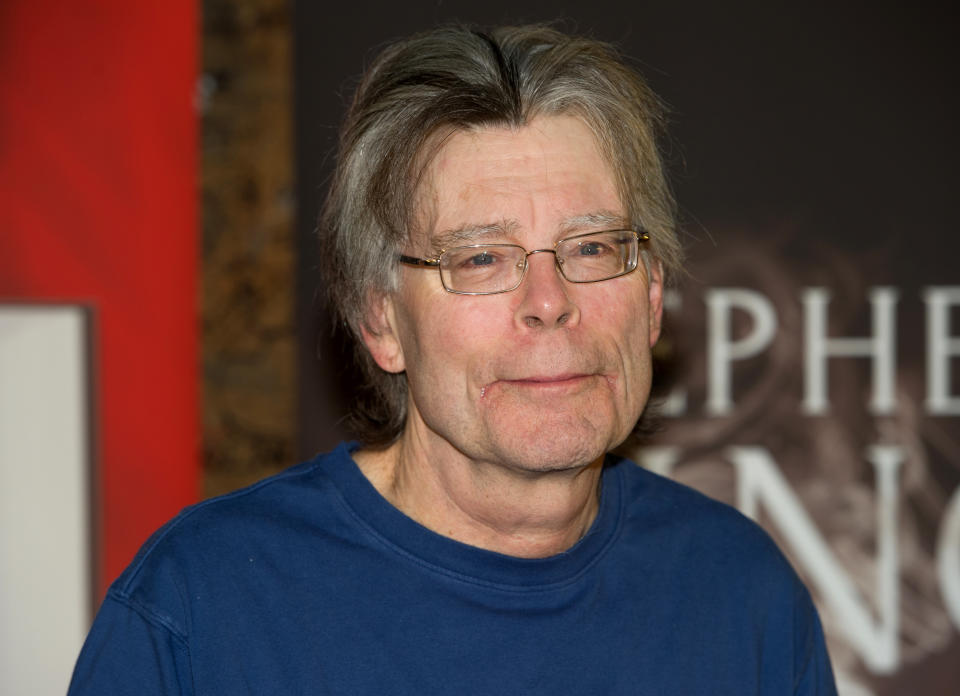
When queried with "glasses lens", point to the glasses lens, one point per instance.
{"points": [[482, 268], [597, 256]]}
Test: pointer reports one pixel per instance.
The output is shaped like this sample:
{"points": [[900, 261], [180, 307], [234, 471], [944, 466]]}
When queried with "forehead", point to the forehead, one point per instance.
{"points": [[539, 176]]}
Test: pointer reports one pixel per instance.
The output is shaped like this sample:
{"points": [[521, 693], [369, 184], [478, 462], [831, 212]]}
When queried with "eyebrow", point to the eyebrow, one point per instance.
{"points": [[472, 233], [477, 233], [606, 219]]}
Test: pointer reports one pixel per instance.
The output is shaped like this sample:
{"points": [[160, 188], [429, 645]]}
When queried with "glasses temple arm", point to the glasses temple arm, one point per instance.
{"points": [[413, 261]]}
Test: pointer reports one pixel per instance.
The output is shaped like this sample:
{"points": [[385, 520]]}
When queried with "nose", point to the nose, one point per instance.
{"points": [[544, 302]]}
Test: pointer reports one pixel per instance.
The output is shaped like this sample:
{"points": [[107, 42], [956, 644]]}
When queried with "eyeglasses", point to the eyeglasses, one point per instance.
{"points": [[488, 269]]}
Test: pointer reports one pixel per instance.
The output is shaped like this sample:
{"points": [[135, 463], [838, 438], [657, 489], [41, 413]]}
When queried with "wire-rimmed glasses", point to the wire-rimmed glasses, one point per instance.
{"points": [[488, 269]]}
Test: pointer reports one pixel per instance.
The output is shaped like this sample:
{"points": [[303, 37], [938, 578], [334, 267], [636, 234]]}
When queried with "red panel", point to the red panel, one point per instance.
{"points": [[98, 162]]}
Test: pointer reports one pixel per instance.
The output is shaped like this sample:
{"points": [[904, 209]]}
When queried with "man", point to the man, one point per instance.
{"points": [[497, 239]]}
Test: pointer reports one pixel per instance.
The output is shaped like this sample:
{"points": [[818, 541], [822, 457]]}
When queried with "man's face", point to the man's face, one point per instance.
{"points": [[551, 375]]}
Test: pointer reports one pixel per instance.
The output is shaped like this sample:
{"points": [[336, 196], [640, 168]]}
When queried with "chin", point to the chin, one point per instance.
{"points": [[551, 450], [548, 440]]}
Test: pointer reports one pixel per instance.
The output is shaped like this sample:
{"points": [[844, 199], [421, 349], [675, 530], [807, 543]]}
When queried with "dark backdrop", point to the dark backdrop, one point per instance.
{"points": [[834, 120]]}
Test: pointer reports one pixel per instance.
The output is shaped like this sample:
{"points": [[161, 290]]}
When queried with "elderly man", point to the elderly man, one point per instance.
{"points": [[496, 238]]}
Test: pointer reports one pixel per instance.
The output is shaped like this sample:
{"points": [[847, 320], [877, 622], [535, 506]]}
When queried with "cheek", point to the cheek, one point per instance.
{"points": [[624, 322], [621, 309], [449, 334]]}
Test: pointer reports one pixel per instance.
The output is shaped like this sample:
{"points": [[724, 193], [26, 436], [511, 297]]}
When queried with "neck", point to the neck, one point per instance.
{"points": [[528, 514]]}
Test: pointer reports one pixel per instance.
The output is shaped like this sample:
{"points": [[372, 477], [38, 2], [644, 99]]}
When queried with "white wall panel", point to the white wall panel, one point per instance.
{"points": [[45, 576]]}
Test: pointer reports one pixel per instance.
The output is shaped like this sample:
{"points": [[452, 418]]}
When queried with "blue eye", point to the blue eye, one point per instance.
{"points": [[482, 259], [592, 249]]}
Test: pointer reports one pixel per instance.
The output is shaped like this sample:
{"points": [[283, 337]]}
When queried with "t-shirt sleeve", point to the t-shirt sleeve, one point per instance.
{"points": [[815, 673], [130, 650]]}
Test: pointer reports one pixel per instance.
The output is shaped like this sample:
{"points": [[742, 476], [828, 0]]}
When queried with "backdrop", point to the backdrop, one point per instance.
{"points": [[809, 372]]}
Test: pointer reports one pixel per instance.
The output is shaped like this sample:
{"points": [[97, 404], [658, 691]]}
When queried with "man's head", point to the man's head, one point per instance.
{"points": [[457, 91]]}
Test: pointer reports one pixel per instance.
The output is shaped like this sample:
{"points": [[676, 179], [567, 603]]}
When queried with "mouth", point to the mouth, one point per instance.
{"points": [[549, 383], [548, 379]]}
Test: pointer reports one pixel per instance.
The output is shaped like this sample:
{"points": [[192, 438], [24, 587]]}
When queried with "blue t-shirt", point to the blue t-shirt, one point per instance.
{"points": [[310, 582]]}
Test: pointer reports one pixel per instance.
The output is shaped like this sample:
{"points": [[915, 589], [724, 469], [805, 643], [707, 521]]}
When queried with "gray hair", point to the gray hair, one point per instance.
{"points": [[460, 78]]}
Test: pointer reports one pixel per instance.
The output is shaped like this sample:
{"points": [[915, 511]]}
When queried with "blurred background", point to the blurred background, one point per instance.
{"points": [[161, 170]]}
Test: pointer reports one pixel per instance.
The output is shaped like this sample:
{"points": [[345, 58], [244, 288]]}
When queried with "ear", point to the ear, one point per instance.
{"points": [[655, 300], [380, 336]]}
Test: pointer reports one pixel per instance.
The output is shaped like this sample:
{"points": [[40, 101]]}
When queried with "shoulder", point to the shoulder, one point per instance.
{"points": [[718, 573], [674, 516], [199, 549]]}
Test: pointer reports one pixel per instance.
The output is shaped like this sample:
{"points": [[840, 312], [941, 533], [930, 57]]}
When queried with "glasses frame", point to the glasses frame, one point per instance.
{"points": [[640, 235]]}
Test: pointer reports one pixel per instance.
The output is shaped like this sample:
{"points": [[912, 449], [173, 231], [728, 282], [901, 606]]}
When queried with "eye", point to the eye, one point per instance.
{"points": [[484, 258], [592, 248], [479, 260]]}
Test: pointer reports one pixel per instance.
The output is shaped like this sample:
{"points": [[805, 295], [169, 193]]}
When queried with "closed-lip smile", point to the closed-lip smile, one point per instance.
{"points": [[549, 383], [549, 379]]}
